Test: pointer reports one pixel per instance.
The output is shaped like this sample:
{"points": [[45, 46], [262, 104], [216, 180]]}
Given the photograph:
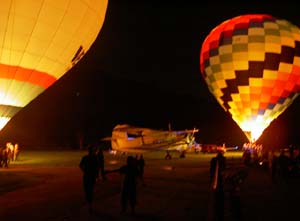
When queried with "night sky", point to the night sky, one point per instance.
{"points": [[144, 70]]}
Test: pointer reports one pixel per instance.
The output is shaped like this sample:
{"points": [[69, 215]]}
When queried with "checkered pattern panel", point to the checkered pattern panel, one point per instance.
{"points": [[251, 64]]}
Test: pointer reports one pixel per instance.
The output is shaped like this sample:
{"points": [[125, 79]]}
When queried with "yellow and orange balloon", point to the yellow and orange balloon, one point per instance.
{"points": [[40, 40], [251, 64]]}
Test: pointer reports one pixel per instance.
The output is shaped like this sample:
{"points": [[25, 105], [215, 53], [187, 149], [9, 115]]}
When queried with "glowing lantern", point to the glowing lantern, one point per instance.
{"points": [[251, 64], [40, 40]]}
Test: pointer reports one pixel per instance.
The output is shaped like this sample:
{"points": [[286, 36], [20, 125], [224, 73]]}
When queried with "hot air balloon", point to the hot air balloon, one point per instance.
{"points": [[40, 40], [251, 64]]}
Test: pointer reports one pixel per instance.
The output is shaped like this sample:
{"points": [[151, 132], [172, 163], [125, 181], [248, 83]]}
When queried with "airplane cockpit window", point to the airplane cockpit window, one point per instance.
{"points": [[131, 136]]}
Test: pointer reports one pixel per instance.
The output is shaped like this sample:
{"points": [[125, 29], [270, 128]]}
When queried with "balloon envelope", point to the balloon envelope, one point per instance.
{"points": [[40, 40], [251, 64]]}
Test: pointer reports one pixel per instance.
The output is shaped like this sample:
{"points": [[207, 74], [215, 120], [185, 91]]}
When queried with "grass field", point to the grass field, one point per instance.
{"points": [[47, 185], [19, 172]]}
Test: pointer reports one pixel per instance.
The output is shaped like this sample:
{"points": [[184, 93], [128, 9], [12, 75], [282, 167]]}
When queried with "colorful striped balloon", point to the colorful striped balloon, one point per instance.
{"points": [[40, 40], [251, 64]]}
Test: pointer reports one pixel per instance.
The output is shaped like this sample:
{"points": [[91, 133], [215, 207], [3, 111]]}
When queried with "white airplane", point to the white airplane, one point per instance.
{"points": [[127, 138]]}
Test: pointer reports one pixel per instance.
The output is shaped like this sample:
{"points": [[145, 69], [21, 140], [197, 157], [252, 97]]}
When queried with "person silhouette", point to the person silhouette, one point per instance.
{"points": [[128, 192], [100, 157], [168, 155], [284, 163], [217, 167], [89, 165], [141, 165]]}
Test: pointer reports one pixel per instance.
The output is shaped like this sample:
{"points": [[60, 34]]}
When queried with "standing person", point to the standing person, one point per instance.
{"points": [[217, 167], [16, 152], [100, 156], [233, 184], [284, 163], [274, 169], [141, 165], [4, 156], [89, 165], [168, 156], [128, 193]]}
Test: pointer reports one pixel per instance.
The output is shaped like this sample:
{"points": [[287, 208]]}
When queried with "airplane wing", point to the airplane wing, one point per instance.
{"points": [[106, 139]]}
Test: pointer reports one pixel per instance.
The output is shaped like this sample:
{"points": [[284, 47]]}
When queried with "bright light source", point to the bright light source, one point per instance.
{"points": [[3, 121], [254, 128]]}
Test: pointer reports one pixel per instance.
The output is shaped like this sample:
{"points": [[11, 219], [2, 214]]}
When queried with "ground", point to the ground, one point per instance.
{"points": [[46, 185]]}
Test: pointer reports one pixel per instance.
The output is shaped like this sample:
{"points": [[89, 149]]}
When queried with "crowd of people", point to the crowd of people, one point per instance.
{"points": [[283, 164], [9, 153]]}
